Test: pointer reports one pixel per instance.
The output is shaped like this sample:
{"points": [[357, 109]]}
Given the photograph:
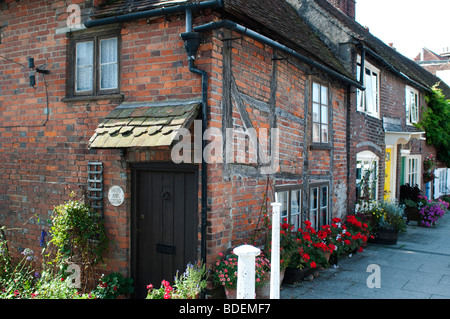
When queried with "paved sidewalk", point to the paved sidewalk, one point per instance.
{"points": [[418, 267]]}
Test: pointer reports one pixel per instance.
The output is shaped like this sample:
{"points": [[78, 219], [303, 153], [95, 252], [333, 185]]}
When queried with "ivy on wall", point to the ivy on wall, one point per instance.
{"points": [[435, 122]]}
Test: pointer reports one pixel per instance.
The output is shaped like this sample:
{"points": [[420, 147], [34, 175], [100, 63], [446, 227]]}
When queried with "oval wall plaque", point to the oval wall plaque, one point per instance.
{"points": [[116, 195]]}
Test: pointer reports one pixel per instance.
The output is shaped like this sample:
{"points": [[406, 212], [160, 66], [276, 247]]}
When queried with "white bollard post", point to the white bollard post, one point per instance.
{"points": [[275, 254], [246, 271]]}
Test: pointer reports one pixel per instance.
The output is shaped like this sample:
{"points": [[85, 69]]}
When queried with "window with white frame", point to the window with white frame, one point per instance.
{"points": [[318, 205], [368, 101], [290, 198], [95, 66], [412, 169], [441, 182], [366, 175], [412, 105], [320, 113]]}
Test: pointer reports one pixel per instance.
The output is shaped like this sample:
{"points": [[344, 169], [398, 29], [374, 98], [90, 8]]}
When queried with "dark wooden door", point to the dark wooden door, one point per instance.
{"points": [[164, 222]]}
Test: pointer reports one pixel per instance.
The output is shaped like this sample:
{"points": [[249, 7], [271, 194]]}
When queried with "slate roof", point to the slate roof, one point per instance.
{"points": [[143, 125], [273, 18]]}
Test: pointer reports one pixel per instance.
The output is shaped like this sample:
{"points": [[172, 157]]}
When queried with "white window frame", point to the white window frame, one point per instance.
{"points": [[318, 205], [290, 198], [413, 170], [441, 182], [368, 162], [320, 113], [412, 105], [368, 101], [93, 85]]}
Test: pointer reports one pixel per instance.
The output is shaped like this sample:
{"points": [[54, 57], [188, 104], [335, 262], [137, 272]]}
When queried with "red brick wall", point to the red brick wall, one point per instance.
{"points": [[39, 161]]}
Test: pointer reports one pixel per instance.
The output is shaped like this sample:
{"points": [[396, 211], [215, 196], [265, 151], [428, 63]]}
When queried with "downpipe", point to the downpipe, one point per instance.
{"points": [[192, 42]]}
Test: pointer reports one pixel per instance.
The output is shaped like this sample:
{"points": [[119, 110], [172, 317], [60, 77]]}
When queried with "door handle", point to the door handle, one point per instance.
{"points": [[165, 195]]}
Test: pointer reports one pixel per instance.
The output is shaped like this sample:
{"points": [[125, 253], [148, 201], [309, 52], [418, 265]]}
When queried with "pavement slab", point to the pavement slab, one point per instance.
{"points": [[417, 267]]}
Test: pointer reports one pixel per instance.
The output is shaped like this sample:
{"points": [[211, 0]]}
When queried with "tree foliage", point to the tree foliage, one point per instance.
{"points": [[436, 123]]}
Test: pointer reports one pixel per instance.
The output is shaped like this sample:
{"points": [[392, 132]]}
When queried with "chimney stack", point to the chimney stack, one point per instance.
{"points": [[345, 6]]}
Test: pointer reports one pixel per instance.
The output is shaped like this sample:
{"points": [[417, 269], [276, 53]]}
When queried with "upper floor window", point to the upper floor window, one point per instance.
{"points": [[320, 128], [368, 101], [94, 64], [412, 105]]}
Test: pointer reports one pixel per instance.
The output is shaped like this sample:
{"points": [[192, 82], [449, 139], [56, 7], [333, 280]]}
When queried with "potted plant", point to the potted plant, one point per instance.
{"points": [[186, 286], [225, 273], [262, 277], [431, 211], [387, 222], [307, 247], [410, 196]]}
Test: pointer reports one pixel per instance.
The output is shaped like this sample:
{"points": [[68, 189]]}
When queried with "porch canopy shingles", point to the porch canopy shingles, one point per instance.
{"points": [[143, 125]]}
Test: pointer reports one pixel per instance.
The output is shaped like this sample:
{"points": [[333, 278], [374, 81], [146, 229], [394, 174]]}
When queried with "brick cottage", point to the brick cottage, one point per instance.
{"points": [[265, 97]]}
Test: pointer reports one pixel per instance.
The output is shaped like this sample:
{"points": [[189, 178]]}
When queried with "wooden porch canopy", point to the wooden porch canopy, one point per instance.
{"points": [[144, 124]]}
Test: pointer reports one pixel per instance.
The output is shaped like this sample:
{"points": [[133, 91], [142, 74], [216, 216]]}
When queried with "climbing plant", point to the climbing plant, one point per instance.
{"points": [[78, 233], [435, 121]]}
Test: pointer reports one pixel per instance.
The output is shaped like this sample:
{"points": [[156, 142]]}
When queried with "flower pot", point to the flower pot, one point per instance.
{"points": [[385, 237], [263, 290], [293, 275], [327, 255], [412, 213], [230, 292]]}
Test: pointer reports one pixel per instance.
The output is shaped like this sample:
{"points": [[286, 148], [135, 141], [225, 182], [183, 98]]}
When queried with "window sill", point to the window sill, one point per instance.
{"points": [[320, 147], [374, 115], [81, 98]]}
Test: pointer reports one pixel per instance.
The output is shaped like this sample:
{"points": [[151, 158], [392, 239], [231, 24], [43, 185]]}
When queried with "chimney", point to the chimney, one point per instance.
{"points": [[345, 6]]}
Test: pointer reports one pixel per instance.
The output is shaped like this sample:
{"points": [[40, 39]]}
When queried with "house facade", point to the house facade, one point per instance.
{"points": [[385, 147], [181, 121]]}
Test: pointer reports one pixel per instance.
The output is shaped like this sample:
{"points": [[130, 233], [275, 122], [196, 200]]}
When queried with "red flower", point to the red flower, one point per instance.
{"points": [[313, 264], [360, 249]]}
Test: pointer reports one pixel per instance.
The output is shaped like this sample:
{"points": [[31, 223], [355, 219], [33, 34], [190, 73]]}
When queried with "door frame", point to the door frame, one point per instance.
{"points": [[160, 167]]}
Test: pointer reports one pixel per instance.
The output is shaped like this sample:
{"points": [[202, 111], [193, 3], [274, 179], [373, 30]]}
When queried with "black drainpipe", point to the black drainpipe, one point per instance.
{"points": [[192, 42]]}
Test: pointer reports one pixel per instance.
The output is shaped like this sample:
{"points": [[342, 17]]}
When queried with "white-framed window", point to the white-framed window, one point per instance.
{"points": [[441, 182], [290, 198], [95, 66], [318, 205], [368, 101], [412, 169], [367, 175], [320, 128], [412, 105]]}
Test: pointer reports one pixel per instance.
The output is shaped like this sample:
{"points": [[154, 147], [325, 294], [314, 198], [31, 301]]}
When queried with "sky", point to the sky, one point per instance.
{"points": [[409, 24]]}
